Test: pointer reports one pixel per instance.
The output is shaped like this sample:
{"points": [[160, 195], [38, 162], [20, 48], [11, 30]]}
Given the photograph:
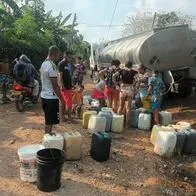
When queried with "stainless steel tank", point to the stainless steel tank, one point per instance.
{"points": [[161, 49]]}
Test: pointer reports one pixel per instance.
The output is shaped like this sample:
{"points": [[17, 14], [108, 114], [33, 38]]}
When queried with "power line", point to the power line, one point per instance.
{"points": [[100, 25], [103, 26], [112, 19]]}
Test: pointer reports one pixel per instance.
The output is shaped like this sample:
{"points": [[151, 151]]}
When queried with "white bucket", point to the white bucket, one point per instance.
{"points": [[27, 156]]}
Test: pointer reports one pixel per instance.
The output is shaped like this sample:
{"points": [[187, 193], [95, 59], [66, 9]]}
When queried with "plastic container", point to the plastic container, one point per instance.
{"points": [[100, 146], [156, 129], [108, 116], [73, 146], [165, 118], [144, 121], [86, 116], [117, 123], [146, 103], [181, 138], [133, 118], [165, 143], [27, 157], [95, 103], [181, 126], [87, 100], [97, 123], [83, 109], [53, 141], [190, 142], [49, 168]]}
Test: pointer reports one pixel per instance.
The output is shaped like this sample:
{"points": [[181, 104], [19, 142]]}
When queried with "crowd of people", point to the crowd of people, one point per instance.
{"points": [[120, 86], [116, 89], [62, 86]]}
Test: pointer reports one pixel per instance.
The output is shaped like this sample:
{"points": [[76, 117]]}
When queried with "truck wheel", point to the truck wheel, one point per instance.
{"points": [[184, 91], [181, 91], [188, 91]]}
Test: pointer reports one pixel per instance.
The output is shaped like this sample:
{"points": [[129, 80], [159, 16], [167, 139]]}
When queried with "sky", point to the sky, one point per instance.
{"points": [[94, 16]]}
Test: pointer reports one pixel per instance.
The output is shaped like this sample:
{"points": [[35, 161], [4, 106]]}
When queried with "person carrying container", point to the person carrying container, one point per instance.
{"points": [[99, 93], [142, 85]]}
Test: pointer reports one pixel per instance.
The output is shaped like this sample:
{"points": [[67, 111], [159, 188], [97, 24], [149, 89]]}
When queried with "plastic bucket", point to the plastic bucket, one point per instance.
{"points": [[146, 103], [27, 157], [49, 168]]}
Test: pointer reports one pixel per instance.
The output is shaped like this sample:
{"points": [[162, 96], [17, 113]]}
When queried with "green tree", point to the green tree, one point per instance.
{"points": [[172, 18], [144, 21], [29, 29], [139, 22]]}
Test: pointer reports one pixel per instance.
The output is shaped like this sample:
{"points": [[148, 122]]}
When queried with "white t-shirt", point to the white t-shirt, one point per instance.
{"points": [[47, 71]]}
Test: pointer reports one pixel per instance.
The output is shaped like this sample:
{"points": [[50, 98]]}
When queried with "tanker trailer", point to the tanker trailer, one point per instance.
{"points": [[171, 50]]}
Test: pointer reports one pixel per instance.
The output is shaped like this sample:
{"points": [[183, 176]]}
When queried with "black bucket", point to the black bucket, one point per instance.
{"points": [[49, 168]]}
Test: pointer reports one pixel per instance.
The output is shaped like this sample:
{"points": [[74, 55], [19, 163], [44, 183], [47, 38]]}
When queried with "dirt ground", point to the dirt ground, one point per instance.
{"points": [[133, 169]]}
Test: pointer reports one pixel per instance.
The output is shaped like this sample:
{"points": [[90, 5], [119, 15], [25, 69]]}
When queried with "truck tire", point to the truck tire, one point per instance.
{"points": [[184, 91], [188, 91], [181, 91]]}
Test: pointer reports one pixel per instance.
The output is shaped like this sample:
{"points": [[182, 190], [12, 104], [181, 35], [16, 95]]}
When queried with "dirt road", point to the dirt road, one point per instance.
{"points": [[133, 168]]}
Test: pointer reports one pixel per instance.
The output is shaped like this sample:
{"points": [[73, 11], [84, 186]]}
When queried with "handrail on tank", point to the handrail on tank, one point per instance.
{"points": [[169, 27]]}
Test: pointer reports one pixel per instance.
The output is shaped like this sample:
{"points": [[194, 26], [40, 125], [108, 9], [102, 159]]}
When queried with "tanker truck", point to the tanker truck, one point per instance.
{"points": [[171, 51]]}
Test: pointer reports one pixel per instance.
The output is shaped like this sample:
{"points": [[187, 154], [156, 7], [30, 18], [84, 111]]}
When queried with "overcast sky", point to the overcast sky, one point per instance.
{"points": [[92, 13]]}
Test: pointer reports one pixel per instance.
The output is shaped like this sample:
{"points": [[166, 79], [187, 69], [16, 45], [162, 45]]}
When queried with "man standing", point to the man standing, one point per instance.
{"points": [[50, 89], [5, 80], [65, 83]]}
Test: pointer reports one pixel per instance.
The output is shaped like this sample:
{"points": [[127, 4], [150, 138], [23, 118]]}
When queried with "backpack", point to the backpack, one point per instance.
{"points": [[21, 72]]}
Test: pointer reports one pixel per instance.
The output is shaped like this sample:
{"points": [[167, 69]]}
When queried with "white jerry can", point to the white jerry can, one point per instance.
{"points": [[73, 145], [165, 118], [117, 123], [86, 117], [97, 123], [179, 126], [165, 143], [86, 100], [53, 141], [156, 129], [144, 121]]}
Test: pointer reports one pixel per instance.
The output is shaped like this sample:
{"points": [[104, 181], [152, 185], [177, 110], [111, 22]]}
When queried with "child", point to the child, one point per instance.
{"points": [[156, 87], [98, 93], [77, 99]]}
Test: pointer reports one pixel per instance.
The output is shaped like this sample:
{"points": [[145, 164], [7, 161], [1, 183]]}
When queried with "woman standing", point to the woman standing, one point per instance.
{"points": [[127, 76], [156, 87], [142, 81], [112, 91]]}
